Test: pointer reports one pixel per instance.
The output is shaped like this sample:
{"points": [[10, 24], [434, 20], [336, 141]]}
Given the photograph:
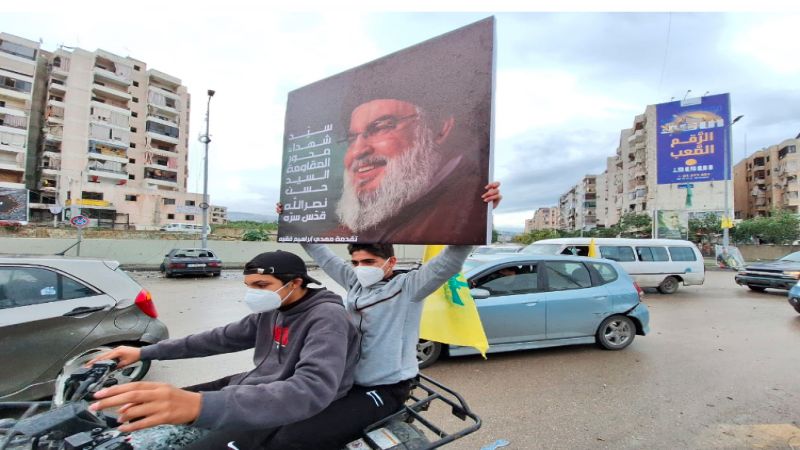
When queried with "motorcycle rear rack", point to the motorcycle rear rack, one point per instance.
{"points": [[411, 412]]}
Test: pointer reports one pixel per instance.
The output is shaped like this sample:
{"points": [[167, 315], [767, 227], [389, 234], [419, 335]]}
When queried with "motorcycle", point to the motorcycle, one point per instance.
{"points": [[70, 425]]}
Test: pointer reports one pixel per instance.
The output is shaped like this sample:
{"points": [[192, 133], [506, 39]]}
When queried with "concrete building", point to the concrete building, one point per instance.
{"points": [[114, 136], [18, 110], [578, 206], [629, 184], [218, 215], [543, 219], [768, 179]]}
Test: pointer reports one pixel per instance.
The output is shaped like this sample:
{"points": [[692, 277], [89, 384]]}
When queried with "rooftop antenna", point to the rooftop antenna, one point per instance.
{"points": [[705, 94], [672, 98], [687, 94]]}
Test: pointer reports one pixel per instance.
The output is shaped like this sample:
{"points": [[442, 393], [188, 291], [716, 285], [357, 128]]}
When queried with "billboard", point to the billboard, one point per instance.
{"points": [[672, 224], [13, 205], [691, 139], [397, 150]]}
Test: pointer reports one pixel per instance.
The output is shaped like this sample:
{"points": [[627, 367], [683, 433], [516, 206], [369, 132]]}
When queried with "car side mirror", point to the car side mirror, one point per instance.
{"points": [[478, 293]]}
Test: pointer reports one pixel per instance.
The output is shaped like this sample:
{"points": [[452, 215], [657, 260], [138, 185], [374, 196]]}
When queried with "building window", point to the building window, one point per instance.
{"points": [[134, 114], [189, 217], [135, 84], [169, 201], [133, 129], [130, 198], [91, 195], [133, 145], [170, 216], [131, 176], [136, 68], [189, 203], [135, 99], [131, 160]]}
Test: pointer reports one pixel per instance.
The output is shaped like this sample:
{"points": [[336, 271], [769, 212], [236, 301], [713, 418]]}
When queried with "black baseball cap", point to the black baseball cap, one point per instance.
{"points": [[278, 263]]}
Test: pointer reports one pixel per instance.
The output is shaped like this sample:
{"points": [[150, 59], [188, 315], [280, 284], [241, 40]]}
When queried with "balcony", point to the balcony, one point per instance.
{"points": [[47, 183], [163, 78], [111, 92], [107, 174], [56, 103], [12, 164], [108, 152], [163, 138], [107, 75], [57, 85], [11, 93], [164, 120], [113, 106]]}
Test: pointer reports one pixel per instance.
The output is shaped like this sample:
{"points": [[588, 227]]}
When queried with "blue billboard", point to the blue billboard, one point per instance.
{"points": [[691, 139]]}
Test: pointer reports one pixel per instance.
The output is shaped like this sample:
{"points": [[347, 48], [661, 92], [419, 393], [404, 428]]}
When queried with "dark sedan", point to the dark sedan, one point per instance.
{"points": [[191, 261], [781, 274]]}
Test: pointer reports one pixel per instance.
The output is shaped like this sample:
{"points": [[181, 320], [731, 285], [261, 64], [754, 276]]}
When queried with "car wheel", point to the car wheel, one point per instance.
{"points": [[756, 288], [668, 286], [131, 373], [167, 274], [616, 333], [216, 274], [428, 352], [162, 268]]}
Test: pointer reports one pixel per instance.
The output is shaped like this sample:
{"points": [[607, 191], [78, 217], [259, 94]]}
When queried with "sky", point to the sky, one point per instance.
{"points": [[567, 82]]}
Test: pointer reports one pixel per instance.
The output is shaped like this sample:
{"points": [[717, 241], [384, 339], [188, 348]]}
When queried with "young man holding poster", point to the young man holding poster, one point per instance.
{"points": [[386, 306]]}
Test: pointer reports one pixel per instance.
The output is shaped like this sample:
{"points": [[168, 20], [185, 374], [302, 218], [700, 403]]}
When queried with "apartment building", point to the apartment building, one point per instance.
{"points": [[630, 185], [543, 219], [218, 215], [578, 206], [112, 140], [768, 179], [18, 110]]}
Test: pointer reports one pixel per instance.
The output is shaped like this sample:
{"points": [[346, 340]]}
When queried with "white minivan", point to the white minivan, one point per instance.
{"points": [[656, 263]]}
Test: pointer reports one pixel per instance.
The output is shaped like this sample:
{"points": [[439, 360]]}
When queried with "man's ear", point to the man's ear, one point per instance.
{"points": [[447, 127]]}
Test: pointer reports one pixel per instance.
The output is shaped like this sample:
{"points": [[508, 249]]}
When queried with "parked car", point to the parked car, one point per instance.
{"points": [[185, 228], [779, 274], [58, 312], [191, 261], [794, 297], [653, 263], [496, 248], [529, 301]]}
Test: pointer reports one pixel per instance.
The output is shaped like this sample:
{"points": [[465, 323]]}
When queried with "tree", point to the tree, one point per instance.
{"points": [[703, 227], [495, 235], [635, 225], [781, 227], [536, 235]]}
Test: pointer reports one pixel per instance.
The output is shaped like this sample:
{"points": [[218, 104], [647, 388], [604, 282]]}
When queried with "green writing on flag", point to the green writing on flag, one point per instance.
{"points": [[453, 285]]}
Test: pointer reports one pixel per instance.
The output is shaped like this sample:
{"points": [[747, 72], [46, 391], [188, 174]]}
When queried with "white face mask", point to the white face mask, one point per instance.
{"points": [[263, 300], [369, 275]]}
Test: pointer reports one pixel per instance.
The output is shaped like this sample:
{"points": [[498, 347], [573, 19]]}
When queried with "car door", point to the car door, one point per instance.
{"points": [[515, 310], [44, 315], [574, 307]]}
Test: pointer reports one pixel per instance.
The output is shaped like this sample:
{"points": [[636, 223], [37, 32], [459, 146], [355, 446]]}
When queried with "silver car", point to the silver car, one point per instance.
{"points": [[57, 312]]}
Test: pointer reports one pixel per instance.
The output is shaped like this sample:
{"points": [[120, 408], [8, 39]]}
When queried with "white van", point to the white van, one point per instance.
{"points": [[656, 263], [185, 228]]}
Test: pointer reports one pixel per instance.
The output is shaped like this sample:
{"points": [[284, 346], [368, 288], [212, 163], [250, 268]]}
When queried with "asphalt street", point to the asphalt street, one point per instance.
{"points": [[721, 369]]}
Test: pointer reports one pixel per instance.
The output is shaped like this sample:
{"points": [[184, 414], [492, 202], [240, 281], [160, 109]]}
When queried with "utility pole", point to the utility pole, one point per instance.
{"points": [[728, 175], [205, 139]]}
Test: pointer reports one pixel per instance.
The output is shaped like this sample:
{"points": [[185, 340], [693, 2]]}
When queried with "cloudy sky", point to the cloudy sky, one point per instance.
{"points": [[567, 83]]}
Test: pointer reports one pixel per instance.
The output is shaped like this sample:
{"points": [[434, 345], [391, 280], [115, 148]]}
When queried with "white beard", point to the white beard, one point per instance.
{"points": [[406, 178]]}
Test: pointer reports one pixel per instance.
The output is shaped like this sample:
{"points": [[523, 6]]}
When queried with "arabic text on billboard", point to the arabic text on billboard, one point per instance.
{"points": [[691, 139]]}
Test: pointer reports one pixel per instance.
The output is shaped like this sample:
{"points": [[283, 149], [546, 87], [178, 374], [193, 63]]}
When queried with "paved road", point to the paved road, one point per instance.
{"points": [[721, 369]]}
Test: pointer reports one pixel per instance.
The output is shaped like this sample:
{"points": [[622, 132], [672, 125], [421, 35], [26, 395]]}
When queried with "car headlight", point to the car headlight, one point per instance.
{"points": [[792, 273]]}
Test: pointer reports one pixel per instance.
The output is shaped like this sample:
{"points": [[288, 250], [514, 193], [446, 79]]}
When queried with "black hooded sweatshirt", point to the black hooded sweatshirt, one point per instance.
{"points": [[304, 357]]}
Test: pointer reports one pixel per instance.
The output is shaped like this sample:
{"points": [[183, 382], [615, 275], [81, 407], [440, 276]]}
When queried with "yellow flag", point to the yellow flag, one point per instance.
{"points": [[593, 249], [449, 315]]}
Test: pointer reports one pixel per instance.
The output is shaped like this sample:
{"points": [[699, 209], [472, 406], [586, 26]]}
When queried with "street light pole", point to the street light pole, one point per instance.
{"points": [[727, 155], [205, 139]]}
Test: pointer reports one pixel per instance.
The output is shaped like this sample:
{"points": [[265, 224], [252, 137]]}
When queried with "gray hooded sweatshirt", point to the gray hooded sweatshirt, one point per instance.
{"points": [[387, 313], [304, 360]]}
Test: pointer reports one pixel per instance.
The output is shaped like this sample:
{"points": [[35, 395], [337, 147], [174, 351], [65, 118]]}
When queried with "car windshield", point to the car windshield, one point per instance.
{"points": [[470, 264], [542, 249], [192, 253], [792, 257]]}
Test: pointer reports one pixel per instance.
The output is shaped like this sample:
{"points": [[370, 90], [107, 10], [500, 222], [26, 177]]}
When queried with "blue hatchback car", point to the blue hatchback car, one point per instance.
{"points": [[529, 301]]}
